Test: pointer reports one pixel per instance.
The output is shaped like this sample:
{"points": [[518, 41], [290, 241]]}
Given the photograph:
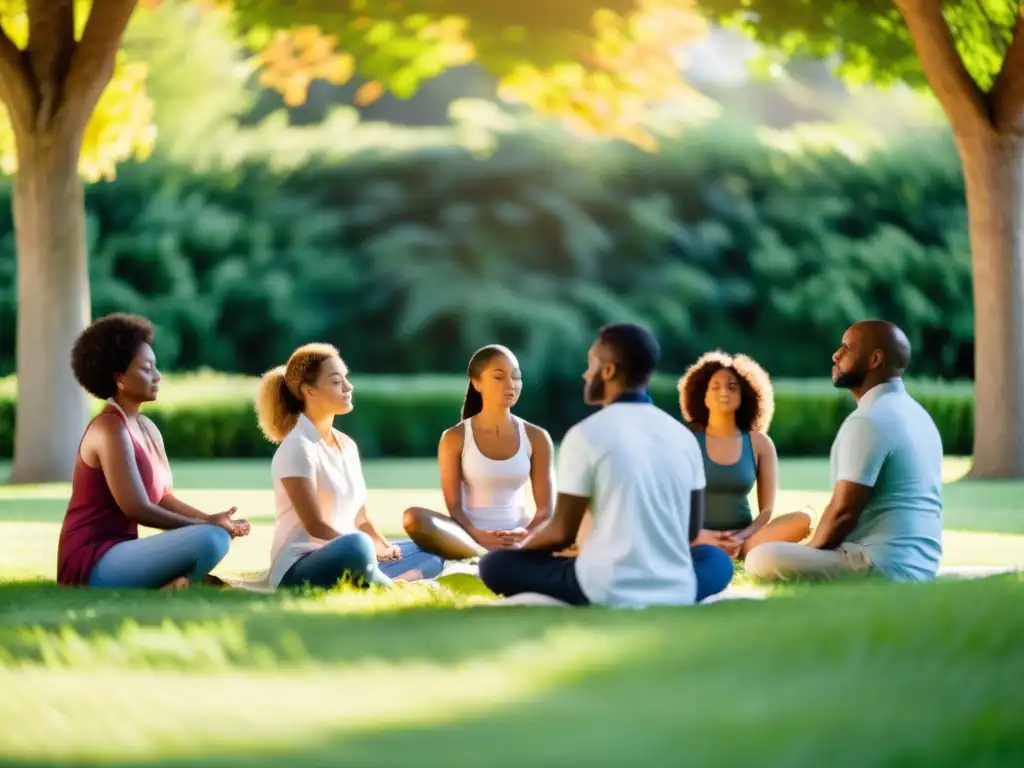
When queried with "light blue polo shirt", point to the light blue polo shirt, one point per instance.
{"points": [[890, 443]]}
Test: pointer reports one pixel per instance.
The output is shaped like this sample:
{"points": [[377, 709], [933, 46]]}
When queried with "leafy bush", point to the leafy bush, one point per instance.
{"points": [[410, 259], [211, 416]]}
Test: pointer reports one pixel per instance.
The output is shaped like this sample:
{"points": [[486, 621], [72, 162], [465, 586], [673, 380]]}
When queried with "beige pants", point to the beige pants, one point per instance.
{"points": [[779, 561]]}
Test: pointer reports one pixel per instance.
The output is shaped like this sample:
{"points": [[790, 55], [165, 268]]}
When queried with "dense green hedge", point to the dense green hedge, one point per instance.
{"points": [[408, 259], [212, 417]]}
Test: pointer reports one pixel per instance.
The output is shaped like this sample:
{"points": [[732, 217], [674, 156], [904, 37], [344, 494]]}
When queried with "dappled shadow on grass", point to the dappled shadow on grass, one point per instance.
{"points": [[64, 627], [901, 675], [371, 624], [232, 629]]}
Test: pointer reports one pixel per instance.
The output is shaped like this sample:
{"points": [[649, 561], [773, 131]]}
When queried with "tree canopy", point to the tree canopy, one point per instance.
{"points": [[869, 39], [121, 126], [597, 68], [970, 54]]}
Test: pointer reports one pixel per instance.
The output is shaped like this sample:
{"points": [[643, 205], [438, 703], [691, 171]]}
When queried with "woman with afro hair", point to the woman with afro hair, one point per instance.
{"points": [[122, 478], [728, 402]]}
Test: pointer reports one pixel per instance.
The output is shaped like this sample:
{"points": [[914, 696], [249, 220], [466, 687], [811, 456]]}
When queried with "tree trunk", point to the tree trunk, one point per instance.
{"points": [[53, 306], [994, 174]]}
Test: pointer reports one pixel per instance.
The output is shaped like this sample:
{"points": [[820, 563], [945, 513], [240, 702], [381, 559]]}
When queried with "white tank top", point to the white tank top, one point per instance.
{"points": [[493, 492]]}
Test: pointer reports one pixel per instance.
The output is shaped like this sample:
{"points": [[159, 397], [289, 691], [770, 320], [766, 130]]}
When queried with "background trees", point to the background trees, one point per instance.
{"points": [[594, 71], [971, 55]]}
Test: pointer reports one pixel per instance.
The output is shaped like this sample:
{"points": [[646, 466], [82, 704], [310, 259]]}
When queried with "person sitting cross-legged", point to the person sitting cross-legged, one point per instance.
{"points": [[486, 462], [885, 514], [641, 474], [122, 478], [728, 402], [322, 533]]}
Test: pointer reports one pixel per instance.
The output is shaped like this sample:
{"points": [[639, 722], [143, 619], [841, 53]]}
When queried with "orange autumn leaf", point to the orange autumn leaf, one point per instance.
{"points": [[368, 93]]}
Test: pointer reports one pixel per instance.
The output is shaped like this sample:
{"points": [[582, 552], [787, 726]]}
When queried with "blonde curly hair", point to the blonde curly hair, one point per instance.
{"points": [[279, 399], [757, 398]]}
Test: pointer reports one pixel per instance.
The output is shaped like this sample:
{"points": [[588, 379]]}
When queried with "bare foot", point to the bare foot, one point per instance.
{"points": [[174, 584]]}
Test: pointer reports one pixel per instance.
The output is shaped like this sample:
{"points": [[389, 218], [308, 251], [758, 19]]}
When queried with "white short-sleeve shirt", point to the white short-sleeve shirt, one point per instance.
{"points": [[341, 491], [638, 466]]}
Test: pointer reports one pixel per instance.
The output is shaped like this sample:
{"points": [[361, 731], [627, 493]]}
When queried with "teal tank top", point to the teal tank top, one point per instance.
{"points": [[729, 486]]}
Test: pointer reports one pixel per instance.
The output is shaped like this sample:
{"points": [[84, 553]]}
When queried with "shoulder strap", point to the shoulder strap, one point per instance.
{"points": [[120, 411], [749, 445], [467, 435], [81, 440], [524, 437], [153, 445]]}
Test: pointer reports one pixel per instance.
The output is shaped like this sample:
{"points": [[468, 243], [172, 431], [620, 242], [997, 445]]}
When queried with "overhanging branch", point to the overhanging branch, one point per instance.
{"points": [[15, 84], [961, 99], [92, 64], [1008, 90]]}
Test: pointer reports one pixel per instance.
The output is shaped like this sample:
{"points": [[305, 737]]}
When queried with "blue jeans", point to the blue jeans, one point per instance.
{"points": [[352, 558], [514, 571], [149, 563], [413, 558]]}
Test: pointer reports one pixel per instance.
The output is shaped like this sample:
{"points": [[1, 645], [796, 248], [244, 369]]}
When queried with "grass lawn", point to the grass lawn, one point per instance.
{"points": [[838, 675]]}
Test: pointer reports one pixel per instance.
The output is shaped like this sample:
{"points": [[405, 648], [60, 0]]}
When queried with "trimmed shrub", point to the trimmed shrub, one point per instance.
{"points": [[211, 417]]}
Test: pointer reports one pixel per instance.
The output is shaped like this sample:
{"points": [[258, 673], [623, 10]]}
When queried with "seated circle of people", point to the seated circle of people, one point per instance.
{"points": [[667, 504], [322, 532], [728, 401], [122, 478], [485, 463], [885, 513], [640, 473]]}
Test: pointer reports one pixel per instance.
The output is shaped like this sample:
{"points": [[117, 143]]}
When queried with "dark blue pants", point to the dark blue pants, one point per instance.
{"points": [[514, 571]]}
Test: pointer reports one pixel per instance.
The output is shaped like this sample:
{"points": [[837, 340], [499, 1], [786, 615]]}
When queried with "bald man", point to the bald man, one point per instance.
{"points": [[885, 515]]}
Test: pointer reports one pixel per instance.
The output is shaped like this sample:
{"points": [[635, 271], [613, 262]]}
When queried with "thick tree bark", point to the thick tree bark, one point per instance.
{"points": [[50, 91], [994, 175], [53, 306], [990, 137]]}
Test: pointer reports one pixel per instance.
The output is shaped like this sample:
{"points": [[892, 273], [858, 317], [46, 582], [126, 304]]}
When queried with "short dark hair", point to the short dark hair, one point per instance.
{"points": [[105, 349], [634, 350]]}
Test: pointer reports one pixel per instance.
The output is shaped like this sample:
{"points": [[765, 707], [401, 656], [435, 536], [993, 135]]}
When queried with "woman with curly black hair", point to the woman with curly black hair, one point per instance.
{"points": [[122, 477], [728, 402]]}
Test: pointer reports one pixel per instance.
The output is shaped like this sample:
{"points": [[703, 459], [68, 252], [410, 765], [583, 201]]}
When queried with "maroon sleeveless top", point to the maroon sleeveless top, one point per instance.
{"points": [[94, 523]]}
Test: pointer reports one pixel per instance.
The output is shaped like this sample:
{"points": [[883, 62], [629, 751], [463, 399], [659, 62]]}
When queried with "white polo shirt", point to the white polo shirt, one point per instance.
{"points": [[341, 491], [638, 466]]}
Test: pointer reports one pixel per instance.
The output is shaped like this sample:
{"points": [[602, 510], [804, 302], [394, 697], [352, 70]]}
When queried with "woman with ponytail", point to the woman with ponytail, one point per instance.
{"points": [[321, 531], [485, 462]]}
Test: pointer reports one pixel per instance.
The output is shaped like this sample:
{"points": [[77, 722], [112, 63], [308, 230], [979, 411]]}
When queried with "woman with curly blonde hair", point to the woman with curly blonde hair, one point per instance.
{"points": [[728, 402], [322, 534]]}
